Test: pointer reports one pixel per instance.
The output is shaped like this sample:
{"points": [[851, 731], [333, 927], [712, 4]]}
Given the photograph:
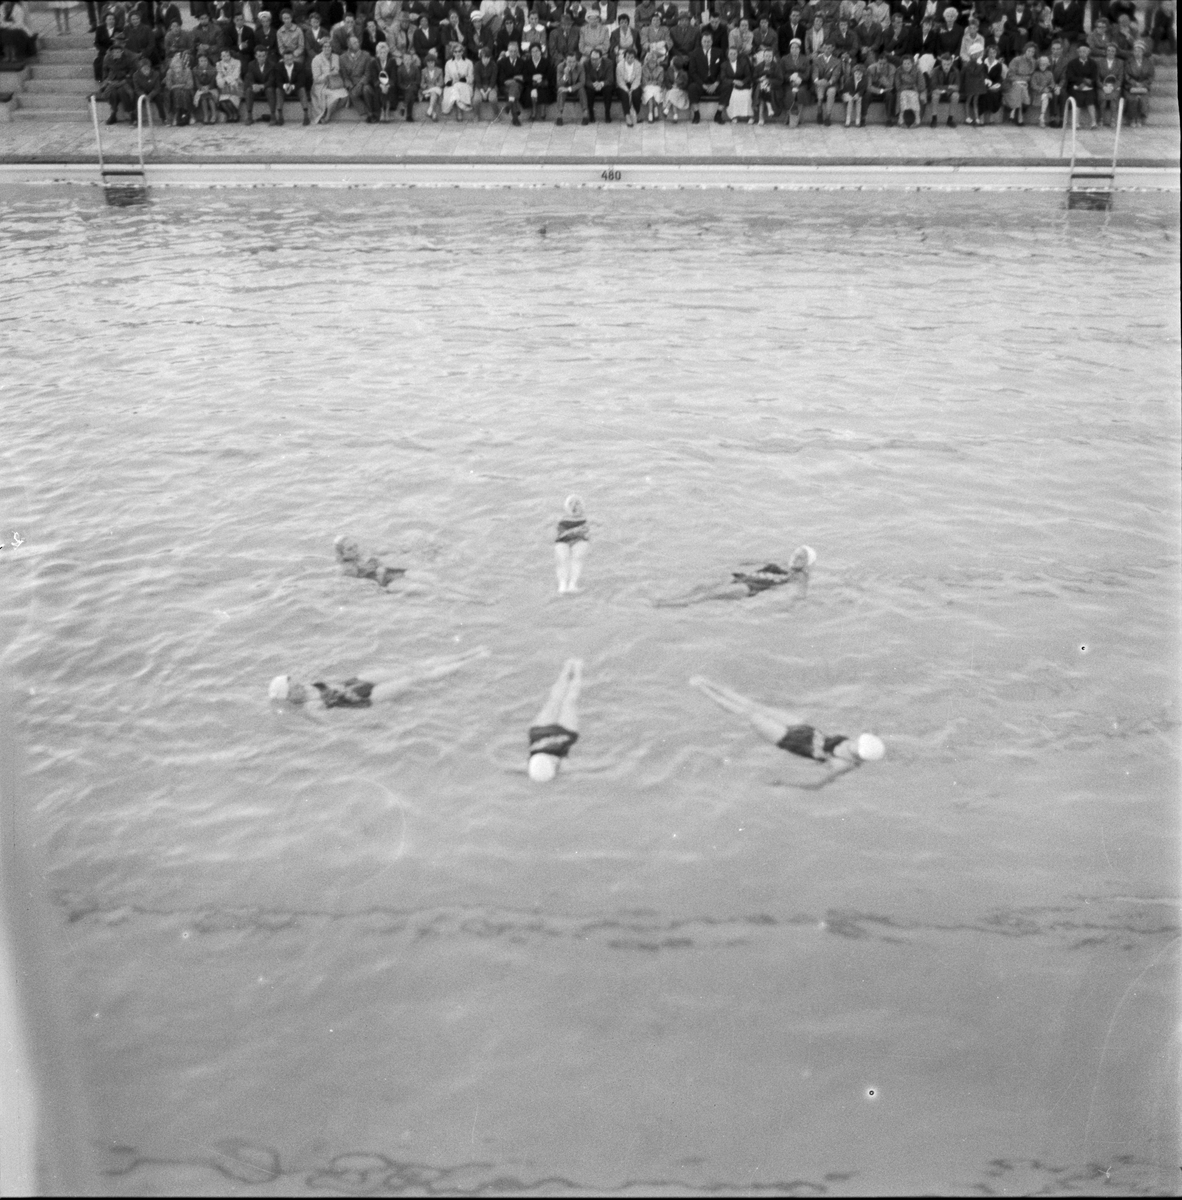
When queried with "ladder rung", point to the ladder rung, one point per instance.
{"points": [[130, 171]]}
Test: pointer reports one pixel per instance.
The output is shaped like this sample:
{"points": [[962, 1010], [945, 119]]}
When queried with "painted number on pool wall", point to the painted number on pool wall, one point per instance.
{"points": [[611, 175]]}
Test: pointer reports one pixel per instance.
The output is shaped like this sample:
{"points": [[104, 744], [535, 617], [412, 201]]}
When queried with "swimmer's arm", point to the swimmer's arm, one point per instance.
{"points": [[839, 769]]}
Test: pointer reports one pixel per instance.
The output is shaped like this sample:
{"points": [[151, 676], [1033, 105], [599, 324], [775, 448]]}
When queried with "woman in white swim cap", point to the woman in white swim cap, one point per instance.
{"points": [[751, 583], [570, 546], [787, 731], [556, 727]]}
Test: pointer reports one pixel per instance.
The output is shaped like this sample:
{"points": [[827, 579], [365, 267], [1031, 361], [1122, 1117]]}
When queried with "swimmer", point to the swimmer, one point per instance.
{"points": [[376, 687], [556, 727], [787, 731], [750, 583], [349, 556], [570, 546]]}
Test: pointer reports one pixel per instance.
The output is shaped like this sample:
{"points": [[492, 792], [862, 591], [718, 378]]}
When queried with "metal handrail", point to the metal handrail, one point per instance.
{"points": [[1072, 108], [98, 137], [1120, 113], [141, 103]]}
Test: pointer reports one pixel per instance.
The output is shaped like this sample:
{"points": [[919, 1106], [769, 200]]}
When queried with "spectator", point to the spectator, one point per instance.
{"points": [[265, 32], [385, 15], [457, 83], [484, 81], [257, 84], [995, 74], [431, 85], [594, 35], [1016, 95], [343, 30], [536, 89], [205, 89], [508, 33], [229, 80], [899, 40], [652, 81], [118, 67], [1124, 35], [572, 84], [139, 39], [178, 84], [410, 81], [973, 40], [1042, 84], [944, 88], [845, 40], [798, 78], [644, 10], [511, 79], [601, 80], [451, 33], [1112, 83], [765, 35], [908, 92], [628, 84], [816, 37], [880, 86], [676, 88], [741, 38], [1043, 32], [146, 81], [241, 40], [767, 87], [564, 40], [17, 35], [328, 89], [1099, 38], [289, 36], [315, 38], [705, 76], [853, 89], [950, 34], [735, 92], [535, 33], [826, 77], [1163, 30], [1068, 19], [624, 37], [104, 39], [383, 81], [1080, 80], [1059, 58], [207, 37], [686, 35], [1138, 81], [870, 35], [1009, 39], [972, 80], [355, 79]]}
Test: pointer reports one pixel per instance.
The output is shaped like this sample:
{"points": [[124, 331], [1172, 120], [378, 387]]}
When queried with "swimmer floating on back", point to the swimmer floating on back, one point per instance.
{"points": [[410, 582], [378, 686], [556, 727], [787, 731], [751, 583], [570, 546]]}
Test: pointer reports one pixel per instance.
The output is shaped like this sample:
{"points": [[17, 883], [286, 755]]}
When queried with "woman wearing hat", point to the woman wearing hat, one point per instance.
{"points": [[751, 583], [1138, 81], [380, 685], [790, 732], [972, 86]]}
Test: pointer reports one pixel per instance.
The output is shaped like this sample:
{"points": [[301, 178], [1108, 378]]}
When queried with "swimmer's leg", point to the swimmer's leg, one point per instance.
{"points": [[578, 552], [550, 712], [389, 688], [708, 591], [568, 715], [562, 565], [770, 723]]}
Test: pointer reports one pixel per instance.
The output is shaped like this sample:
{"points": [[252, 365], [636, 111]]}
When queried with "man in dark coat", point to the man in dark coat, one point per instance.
{"points": [[290, 80], [705, 76]]}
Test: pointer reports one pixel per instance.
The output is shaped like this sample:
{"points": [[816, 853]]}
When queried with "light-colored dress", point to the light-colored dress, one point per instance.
{"points": [[327, 84], [457, 84], [229, 75]]}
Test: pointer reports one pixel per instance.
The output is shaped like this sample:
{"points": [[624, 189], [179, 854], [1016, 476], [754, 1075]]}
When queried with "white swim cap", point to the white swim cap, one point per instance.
{"points": [[542, 767], [869, 748], [810, 553], [280, 687], [573, 506]]}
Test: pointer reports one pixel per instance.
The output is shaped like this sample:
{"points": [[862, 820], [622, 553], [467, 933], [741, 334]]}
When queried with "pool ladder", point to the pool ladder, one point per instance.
{"points": [[1090, 186], [127, 177]]}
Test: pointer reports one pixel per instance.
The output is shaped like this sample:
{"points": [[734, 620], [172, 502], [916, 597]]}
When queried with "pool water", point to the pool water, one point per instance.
{"points": [[359, 952]]}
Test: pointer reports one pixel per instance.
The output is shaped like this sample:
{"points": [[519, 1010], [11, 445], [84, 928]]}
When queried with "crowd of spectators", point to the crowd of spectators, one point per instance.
{"points": [[921, 61]]}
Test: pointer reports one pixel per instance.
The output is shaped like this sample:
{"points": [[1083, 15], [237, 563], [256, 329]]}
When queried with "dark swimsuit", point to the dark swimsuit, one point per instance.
{"points": [[810, 743], [573, 530], [766, 577], [353, 693], [555, 740], [372, 569]]}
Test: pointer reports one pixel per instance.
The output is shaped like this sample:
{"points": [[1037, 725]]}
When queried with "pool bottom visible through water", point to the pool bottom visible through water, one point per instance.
{"points": [[360, 952]]}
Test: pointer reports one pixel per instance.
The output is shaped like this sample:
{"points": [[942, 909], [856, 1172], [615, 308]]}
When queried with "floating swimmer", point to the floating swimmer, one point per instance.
{"points": [[378, 686], [750, 583], [349, 556], [570, 546], [556, 727], [787, 731]]}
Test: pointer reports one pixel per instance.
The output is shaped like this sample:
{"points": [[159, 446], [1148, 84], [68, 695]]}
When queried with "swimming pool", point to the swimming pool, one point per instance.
{"points": [[365, 955]]}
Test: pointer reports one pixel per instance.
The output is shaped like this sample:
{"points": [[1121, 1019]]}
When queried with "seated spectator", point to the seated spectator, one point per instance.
{"points": [[826, 77], [899, 40], [431, 84], [572, 84], [705, 76], [972, 82], [257, 84], [118, 68], [329, 94], [146, 81], [765, 35], [1112, 83], [241, 40], [852, 90], [564, 40], [735, 92], [972, 39], [484, 82], [798, 81], [652, 81], [950, 34], [1009, 40], [623, 37], [104, 39], [511, 80], [1138, 81], [536, 90], [1124, 35], [140, 39], [844, 40], [1042, 84], [343, 30], [685, 35], [534, 33], [1058, 58], [601, 84], [908, 92], [509, 32], [205, 89], [1163, 31], [628, 84], [1081, 80], [1016, 95], [450, 33], [880, 86], [265, 33], [1042, 32], [178, 85], [594, 35], [1068, 19], [995, 74], [676, 88], [944, 88], [355, 79], [655, 34], [410, 82], [315, 36], [229, 79], [1100, 37], [767, 85], [457, 83], [208, 37]]}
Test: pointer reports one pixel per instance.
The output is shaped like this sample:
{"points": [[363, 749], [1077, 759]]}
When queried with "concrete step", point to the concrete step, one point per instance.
{"points": [[68, 41], [52, 102], [69, 71], [59, 58], [65, 116], [60, 87]]}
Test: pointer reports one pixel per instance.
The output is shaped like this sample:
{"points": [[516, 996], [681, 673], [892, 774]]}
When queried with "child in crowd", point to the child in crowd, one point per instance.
{"points": [[431, 85], [677, 99], [853, 90], [907, 88]]}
